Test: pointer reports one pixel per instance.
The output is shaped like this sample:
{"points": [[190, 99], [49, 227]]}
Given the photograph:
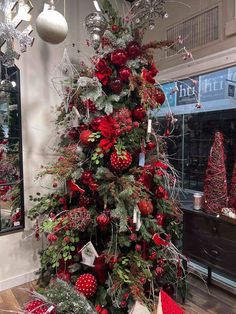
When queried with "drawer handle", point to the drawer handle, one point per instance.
{"points": [[214, 252], [214, 229]]}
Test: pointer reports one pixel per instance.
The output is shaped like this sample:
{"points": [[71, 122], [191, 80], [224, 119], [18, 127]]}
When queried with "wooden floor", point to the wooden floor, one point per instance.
{"points": [[201, 302]]}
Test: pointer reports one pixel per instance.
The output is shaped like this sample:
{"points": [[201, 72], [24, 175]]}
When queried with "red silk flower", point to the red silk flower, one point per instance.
{"points": [[108, 132], [103, 71], [149, 75]]}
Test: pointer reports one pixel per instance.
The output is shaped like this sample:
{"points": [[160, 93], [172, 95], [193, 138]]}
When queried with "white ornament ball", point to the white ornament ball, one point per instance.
{"points": [[51, 26]]}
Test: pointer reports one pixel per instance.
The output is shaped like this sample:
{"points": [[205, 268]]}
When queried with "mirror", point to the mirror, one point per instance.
{"points": [[11, 168]]}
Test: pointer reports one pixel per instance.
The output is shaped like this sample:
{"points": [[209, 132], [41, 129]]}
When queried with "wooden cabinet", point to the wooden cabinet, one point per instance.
{"points": [[210, 240]]}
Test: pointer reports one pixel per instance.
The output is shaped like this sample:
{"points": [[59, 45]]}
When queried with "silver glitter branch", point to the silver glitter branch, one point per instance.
{"points": [[8, 31]]}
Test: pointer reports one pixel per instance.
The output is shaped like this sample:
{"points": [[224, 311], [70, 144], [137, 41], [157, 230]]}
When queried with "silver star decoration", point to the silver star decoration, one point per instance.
{"points": [[8, 29], [144, 12]]}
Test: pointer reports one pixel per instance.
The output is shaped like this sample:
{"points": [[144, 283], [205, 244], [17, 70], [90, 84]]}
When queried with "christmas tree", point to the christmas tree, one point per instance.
{"points": [[232, 192], [215, 187], [112, 232]]}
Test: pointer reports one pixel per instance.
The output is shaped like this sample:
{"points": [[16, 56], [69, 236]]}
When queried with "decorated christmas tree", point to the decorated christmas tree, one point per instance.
{"points": [[232, 191], [215, 187], [113, 226]]}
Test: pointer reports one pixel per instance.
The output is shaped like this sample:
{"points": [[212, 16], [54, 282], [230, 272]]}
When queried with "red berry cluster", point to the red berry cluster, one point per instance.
{"points": [[124, 120], [87, 285]]}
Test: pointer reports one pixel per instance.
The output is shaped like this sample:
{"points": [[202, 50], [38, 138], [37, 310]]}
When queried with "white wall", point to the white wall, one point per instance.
{"points": [[18, 255]]}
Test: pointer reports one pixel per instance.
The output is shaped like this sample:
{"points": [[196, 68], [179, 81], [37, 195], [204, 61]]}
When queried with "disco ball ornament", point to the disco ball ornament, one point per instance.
{"points": [[51, 26], [96, 26]]}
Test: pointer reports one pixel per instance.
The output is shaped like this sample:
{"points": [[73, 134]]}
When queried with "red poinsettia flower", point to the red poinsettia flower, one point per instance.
{"points": [[148, 75], [108, 131], [160, 164], [103, 71], [161, 193], [101, 65], [104, 76]]}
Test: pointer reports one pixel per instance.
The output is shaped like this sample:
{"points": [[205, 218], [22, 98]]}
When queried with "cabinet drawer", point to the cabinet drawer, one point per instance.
{"points": [[211, 241]]}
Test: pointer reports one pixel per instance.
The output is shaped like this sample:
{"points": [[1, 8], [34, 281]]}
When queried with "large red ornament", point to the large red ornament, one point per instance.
{"points": [[85, 136], [124, 73], [103, 221], [37, 307], [139, 113], [121, 161], [134, 50], [87, 285], [119, 57], [116, 85], [159, 96], [145, 207]]}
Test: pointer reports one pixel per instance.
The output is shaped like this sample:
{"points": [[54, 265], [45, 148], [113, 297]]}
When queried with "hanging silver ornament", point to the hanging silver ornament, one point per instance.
{"points": [[145, 12], [96, 25]]}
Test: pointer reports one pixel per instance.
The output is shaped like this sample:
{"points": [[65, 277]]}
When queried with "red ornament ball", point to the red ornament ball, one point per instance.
{"points": [[103, 221], [159, 96], [119, 57], [159, 272], [37, 307], [139, 113], [124, 73], [116, 85], [133, 49], [121, 161], [145, 207], [85, 136], [87, 285]]}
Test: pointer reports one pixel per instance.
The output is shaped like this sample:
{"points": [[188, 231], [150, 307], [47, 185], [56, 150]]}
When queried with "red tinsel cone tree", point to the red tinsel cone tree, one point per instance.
{"points": [[232, 192], [215, 187]]}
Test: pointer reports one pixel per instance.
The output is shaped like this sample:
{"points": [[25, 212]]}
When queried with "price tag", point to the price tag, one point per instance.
{"points": [[149, 129], [141, 162]]}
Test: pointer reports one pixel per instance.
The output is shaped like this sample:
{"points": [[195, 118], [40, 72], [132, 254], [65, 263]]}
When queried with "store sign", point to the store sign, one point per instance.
{"points": [[212, 86], [213, 91], [187, 91]]}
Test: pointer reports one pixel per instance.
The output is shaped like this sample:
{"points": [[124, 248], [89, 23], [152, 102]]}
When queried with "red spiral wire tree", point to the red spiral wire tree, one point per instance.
{"points": [[232, 191], [215, 186]]}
